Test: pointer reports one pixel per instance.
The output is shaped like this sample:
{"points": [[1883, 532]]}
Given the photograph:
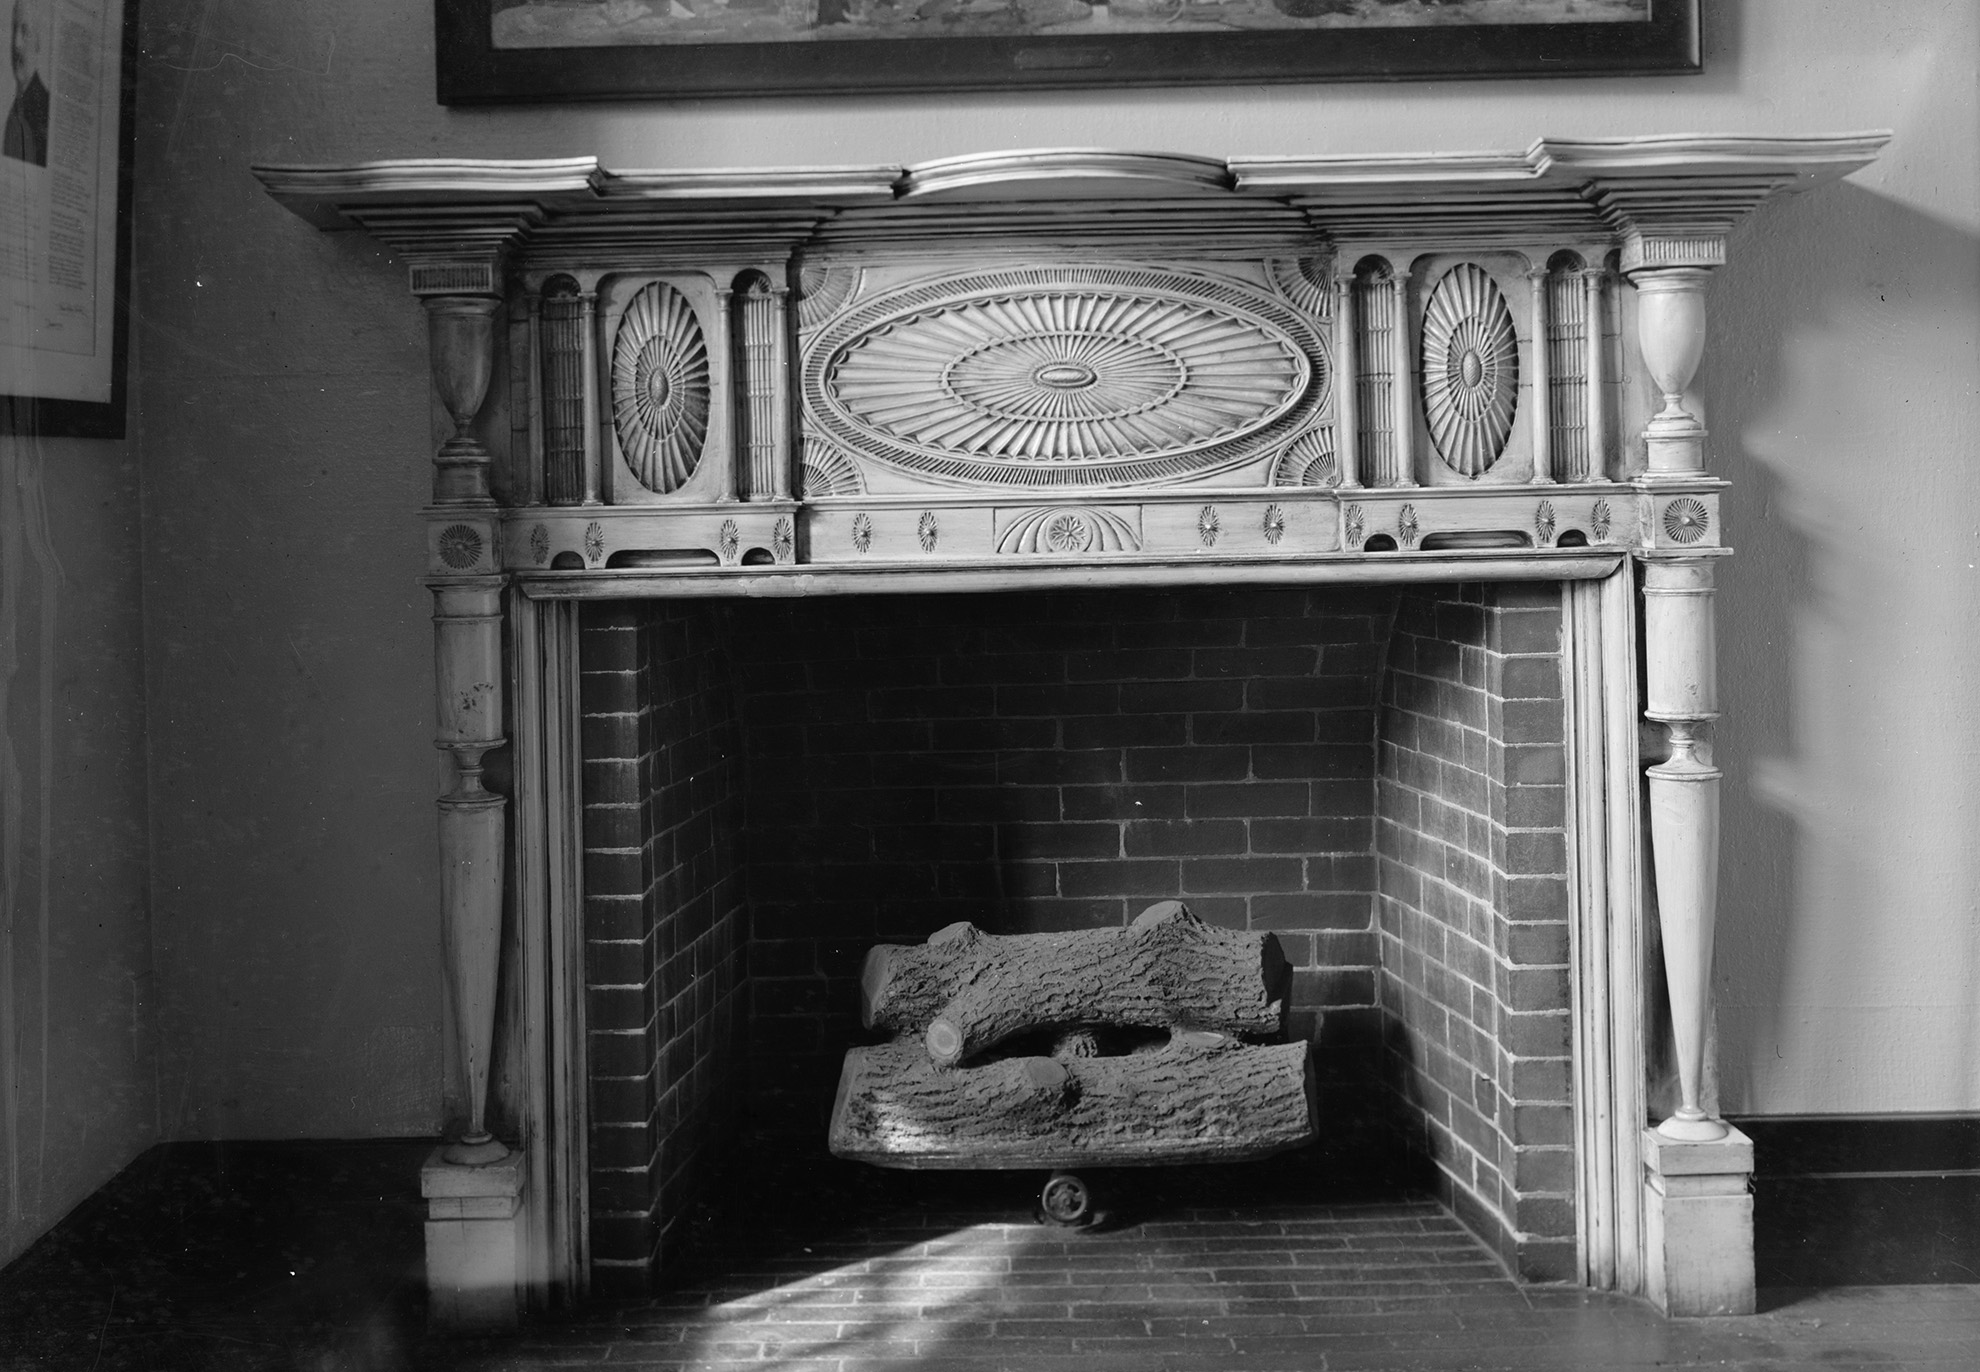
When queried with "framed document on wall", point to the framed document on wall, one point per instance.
{"points": [[516, 50], [65, 187]]}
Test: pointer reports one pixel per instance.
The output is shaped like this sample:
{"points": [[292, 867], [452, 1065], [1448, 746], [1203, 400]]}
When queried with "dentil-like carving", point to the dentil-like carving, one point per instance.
{"points": [[660, 390], [1470, 369], [1065, 376]]}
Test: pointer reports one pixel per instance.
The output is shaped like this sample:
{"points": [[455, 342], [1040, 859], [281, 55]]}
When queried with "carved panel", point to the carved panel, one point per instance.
{"points": [[1470, 369], [1567, 368], [758, 323], [660, 388], [823, 292], [1061, 532], [1065, 376], [1376, 322], [561, 316]]}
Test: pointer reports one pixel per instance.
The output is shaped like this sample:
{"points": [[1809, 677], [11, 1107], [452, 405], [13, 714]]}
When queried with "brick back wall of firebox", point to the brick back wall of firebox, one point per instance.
{"points": [[1049, 761]]}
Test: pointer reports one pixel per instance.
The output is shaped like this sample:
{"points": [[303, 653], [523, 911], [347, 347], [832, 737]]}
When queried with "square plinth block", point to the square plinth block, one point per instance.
{"points": [[474, 1242], [1698, 1224]]}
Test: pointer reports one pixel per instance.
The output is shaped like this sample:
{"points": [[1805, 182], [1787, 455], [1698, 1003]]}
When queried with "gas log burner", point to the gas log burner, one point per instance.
{"points": [[833, 555]]}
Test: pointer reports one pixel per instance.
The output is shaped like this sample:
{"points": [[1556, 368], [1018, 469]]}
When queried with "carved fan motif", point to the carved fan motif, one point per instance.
{"points": [[660, 388], [1307, 461], [827, 471], [1470, 369], [1305, 282], [823, 292], [1055, 376]]}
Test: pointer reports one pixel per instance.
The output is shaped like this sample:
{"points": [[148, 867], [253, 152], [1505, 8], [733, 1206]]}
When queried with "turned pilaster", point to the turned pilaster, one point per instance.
{"points": [[1540, 405], [1601, 442], [1681, 673], [467, 623], [1347, 421], [1403, 368]]}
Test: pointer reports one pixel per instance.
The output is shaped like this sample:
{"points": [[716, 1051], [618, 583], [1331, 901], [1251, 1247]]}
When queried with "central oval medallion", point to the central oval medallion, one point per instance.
{"points": [[1470, 368], [1065, 376]]}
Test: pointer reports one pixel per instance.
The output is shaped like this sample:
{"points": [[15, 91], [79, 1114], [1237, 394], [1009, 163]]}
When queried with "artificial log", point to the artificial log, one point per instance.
{"points": [[967, 991], [1199, 1097]]}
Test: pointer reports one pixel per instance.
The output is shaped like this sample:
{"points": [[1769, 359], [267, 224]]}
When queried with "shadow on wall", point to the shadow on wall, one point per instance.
{"points": [[1843, 349]]}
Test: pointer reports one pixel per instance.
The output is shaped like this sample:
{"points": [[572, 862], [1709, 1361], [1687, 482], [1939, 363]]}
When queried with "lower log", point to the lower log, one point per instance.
{"points": [[1200, 1098]]}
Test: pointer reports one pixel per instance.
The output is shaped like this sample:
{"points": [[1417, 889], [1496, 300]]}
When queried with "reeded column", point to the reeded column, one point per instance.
{"points": [[1601, 446], [467, 621], [1347, 422]]}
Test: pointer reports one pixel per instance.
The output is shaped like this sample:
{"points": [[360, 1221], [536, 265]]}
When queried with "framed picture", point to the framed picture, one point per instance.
{"points": [[69, 91], [517, 50]]}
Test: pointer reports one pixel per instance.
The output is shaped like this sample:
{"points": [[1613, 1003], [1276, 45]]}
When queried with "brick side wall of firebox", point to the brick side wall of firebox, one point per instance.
{"points": [[1473, 909], [665, 923]]}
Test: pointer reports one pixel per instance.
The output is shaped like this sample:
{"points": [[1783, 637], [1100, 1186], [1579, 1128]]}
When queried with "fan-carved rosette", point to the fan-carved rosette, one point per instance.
{"points": [[1470, 369], [1307, 282], [1068, 376], [823, 292], [660, 394], [827, 471], [1061, 532]]}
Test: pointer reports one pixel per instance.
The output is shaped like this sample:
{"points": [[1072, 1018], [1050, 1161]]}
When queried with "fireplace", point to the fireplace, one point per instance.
{"points": [[1374, 775], [820, 553]]}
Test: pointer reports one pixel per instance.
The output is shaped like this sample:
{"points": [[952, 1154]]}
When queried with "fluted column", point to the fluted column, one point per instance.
{"points": [[1601, 443]]}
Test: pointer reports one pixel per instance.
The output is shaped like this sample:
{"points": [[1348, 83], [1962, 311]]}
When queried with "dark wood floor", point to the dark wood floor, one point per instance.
{"points": [[307, 1257]]}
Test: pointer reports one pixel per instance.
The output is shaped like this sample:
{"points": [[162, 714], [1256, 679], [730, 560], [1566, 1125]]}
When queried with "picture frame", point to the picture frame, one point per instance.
{"points": [[65, 219], [514, 51]]}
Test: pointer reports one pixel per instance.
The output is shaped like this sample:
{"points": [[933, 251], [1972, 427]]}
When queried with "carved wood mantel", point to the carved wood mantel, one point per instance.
{"points": [[1080, 368]]}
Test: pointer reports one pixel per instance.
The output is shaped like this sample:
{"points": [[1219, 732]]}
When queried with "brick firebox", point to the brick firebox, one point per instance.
{"points": [[1376, 775]]}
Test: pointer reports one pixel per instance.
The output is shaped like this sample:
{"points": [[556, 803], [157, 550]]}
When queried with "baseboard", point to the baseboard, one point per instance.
{"points": [[1858, 1200]]}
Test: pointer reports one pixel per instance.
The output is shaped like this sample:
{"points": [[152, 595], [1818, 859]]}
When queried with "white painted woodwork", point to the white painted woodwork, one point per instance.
{"points": [[1684, 814], [1698, 1224], [1000, 381]]}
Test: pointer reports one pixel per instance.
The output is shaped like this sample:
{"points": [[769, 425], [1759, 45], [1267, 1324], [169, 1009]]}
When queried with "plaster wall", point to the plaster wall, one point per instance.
{"points": [[78, 1089], [285, 398]]}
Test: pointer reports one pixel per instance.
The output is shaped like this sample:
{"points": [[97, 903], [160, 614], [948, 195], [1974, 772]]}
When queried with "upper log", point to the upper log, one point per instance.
{"points": [[967, 991]]}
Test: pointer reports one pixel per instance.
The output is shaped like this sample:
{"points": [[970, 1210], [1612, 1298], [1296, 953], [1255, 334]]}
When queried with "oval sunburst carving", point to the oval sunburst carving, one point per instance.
{"points": [[660, 388], [1470, 369], [1066, 376]]}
